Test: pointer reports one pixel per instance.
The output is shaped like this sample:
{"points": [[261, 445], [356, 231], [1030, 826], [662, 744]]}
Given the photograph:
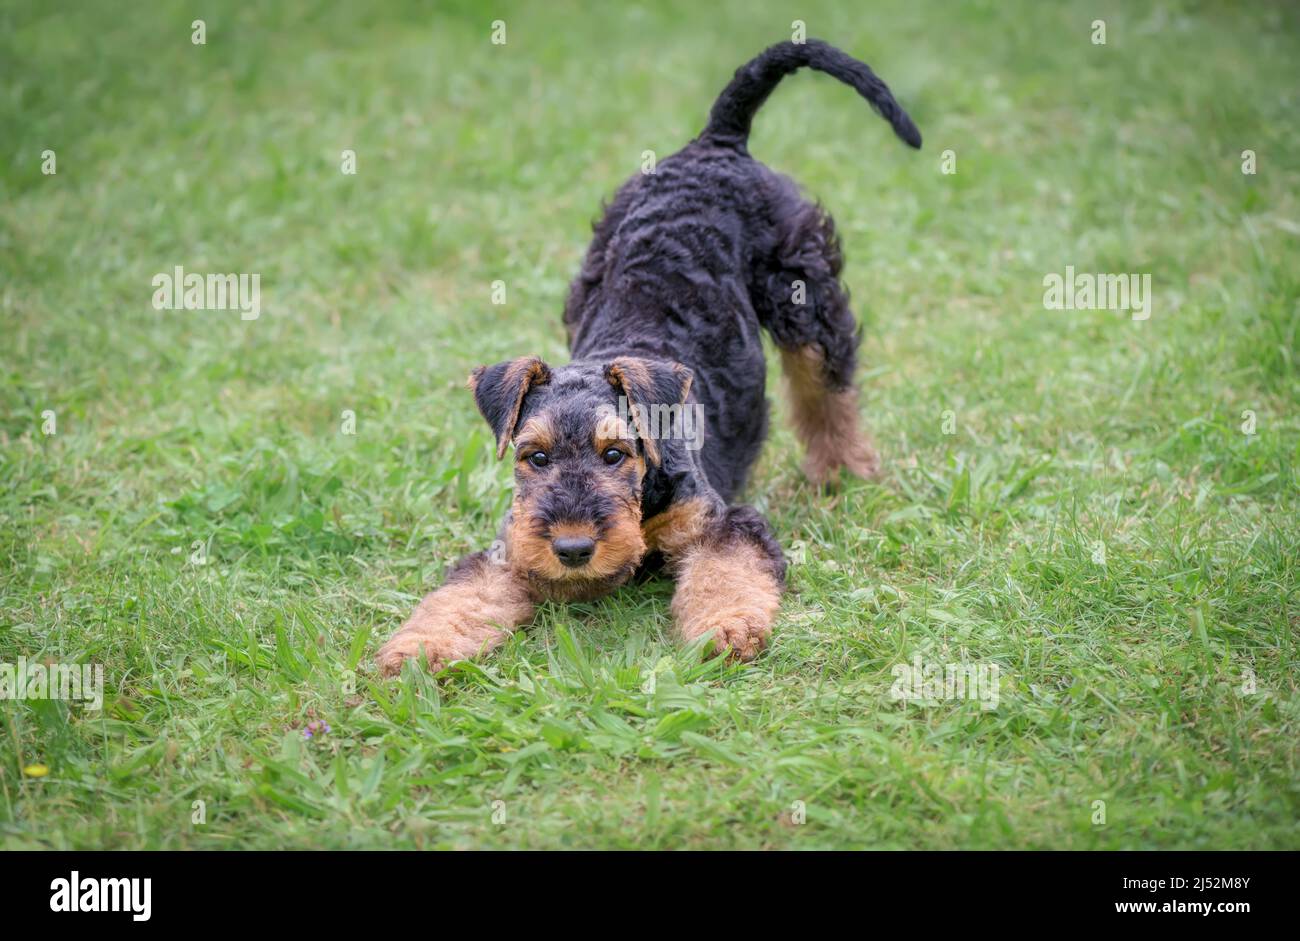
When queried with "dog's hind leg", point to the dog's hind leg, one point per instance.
{"points": [[799, 299]]}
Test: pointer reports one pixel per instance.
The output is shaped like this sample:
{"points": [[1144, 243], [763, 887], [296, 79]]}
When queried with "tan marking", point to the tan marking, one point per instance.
{"points": [[687, 377], [612, 429], [524, 372], [678, 527], [826, 422], [622, 546], [638, 466], [610, 434], [630, 375], [729, 590], [537, 434], [528, 550], [466, 617], [633, 463], [630, 369], [561, 530], [617, 553]]}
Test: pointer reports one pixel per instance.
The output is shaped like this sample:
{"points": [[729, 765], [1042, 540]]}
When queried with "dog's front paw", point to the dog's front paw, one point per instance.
{"points": [[745, 633], [412, 644], [732, 590], [476, 610], [739, 620], [440, 642]]}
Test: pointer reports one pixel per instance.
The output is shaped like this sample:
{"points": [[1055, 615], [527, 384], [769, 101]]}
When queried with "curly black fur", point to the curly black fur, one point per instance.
{"points": [[686, 266], [690, 261]]}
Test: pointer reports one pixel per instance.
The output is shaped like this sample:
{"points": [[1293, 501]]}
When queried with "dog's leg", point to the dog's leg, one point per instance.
{"points": [[825, 419], [479, 606], [730, 575], [800, 301]]}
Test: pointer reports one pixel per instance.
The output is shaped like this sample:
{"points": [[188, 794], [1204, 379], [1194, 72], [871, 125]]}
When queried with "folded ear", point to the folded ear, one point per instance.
{"points": [[647, 383], [499, 393]]}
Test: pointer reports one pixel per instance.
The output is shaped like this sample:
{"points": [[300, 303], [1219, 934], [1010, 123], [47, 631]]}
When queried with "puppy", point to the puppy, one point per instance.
{"points": [[612, 472]]}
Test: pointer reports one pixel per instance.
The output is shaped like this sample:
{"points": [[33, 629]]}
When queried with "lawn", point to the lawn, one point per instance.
{"points": [[1102, 508]]}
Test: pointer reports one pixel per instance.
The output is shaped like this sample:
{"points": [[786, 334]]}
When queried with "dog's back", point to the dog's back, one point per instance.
{"points": [[691, 260]]}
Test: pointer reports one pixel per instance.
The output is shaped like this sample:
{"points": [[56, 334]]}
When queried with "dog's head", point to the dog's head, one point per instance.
{"points": [[582, 451]]}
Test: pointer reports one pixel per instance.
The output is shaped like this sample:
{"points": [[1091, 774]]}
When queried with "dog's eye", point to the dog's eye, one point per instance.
{"points": [[612, 456], [538, 459]]}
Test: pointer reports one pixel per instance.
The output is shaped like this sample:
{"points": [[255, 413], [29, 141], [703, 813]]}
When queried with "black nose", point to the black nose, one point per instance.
{"points": [[574, 551]]}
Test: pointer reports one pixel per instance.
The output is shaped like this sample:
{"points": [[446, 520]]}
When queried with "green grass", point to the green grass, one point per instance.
{"points": [[1120, 682]]}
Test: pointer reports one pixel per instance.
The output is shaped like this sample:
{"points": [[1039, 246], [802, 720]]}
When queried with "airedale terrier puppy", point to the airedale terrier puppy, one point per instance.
{"points": [[688, 262]]}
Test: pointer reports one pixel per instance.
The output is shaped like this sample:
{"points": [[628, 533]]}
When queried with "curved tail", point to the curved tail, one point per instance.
{"points": [[734, 110]]}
